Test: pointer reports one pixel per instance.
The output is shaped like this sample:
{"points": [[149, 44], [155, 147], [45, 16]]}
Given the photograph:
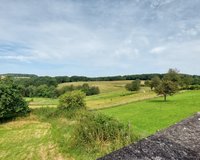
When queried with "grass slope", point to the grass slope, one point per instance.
{"points": [[104, 86], [27, 139], [148, 116], [113, 93], [43, 137]]}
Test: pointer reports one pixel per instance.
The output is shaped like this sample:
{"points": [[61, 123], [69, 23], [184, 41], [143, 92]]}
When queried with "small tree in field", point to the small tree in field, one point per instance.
{"points": [[166, 88], [134, 86], [12, 103], [72, 101], [169, 84]]}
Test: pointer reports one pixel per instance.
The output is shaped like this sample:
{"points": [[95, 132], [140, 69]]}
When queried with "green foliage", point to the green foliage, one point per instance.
{"points": [[173, 76], [169, 84], [166, 88], [12, 103], [147, 83], [95, 130], [155, 81], [88, 90], [134, 86], [193, 87], [40, 91], [72, 101], [45, 91], [186, 82]]}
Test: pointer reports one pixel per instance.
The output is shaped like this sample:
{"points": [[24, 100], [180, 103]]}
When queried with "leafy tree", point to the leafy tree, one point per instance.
{"points": [[89, 90], [155, 81], [72, 100], [12, 103], [133, 86], [84, 88], [45, 91], [186, 81], [169, 84], [173, 75], [166, 88], [147, 83]]}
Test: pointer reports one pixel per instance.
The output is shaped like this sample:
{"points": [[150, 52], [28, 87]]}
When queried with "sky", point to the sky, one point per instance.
{"points": [[99, 37]]}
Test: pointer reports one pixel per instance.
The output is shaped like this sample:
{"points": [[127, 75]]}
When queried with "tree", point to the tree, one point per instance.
{"points": [[147, 83], [155, 81], [134, 86], [186, 81], [169, 84], [166, 88], [72, 101], [12, 103]]}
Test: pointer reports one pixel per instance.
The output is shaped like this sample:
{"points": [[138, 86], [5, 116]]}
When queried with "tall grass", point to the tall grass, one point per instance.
{"points": [[85, 135], [97, 132]]}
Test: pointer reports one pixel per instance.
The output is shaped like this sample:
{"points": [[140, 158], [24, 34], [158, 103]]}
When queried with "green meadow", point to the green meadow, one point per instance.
{"points": [[149, 116], [39, 137]]}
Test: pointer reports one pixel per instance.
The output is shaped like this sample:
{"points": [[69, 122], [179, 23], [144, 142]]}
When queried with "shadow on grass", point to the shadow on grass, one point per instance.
{"points": [[159, 101], [14, 118]]}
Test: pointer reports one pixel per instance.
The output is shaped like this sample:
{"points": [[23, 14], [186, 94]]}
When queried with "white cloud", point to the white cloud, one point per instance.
{"points": [[158, 50], [18, 58], [100, 34]]}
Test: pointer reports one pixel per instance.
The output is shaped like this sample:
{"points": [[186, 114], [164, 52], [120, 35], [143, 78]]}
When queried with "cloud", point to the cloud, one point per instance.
{"points": [[18, 58], [116, 36], [157, 50]]}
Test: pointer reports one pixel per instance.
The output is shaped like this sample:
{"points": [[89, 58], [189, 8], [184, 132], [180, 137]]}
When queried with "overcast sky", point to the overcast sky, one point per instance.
{"points": [[99, 37]]}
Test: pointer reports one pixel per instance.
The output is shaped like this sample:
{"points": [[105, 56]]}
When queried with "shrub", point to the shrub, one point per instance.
{"points": [[12, 103], [97, 130], [88, 90], [194, 87], [72, 101], [134, 86]]}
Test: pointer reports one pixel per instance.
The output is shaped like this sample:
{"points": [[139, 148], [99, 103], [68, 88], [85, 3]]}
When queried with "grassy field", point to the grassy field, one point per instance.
{"points": [[28, 139], [39, 136], [42, 102], [113, 93], [104, 86], [148, 116]]}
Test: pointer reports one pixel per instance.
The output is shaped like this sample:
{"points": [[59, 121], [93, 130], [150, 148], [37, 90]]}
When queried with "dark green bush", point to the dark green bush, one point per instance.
{"points": [[72, 101], [88, 90], [194, 87], [12, 103], [133, 86]]}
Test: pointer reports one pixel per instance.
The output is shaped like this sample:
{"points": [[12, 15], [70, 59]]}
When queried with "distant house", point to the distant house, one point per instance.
{"points": [[178, 142]]}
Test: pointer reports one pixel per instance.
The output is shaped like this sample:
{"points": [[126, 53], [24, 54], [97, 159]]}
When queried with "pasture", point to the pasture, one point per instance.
{"points": [[151, 115], [38, 136], [112, 93]]}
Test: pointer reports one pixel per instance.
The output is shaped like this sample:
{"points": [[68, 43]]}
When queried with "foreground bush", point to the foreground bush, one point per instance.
{"points": [[12, 103], [96, 132], [72, 101]]}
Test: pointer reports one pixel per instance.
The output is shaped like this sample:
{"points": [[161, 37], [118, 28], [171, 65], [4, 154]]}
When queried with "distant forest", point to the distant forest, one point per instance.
{"points": [[64, 79]]}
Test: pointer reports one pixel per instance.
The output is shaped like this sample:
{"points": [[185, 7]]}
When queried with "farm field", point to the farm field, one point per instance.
{"points": [[39, 136], [104, 86], [36, 138], [112, 93]]}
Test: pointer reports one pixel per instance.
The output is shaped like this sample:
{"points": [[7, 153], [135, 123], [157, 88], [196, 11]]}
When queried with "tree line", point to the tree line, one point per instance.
{"points": [[169, 84], [32, 79]]}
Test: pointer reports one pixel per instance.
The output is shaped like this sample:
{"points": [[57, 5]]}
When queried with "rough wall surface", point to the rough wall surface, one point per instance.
{"points": [[178, 142]]}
